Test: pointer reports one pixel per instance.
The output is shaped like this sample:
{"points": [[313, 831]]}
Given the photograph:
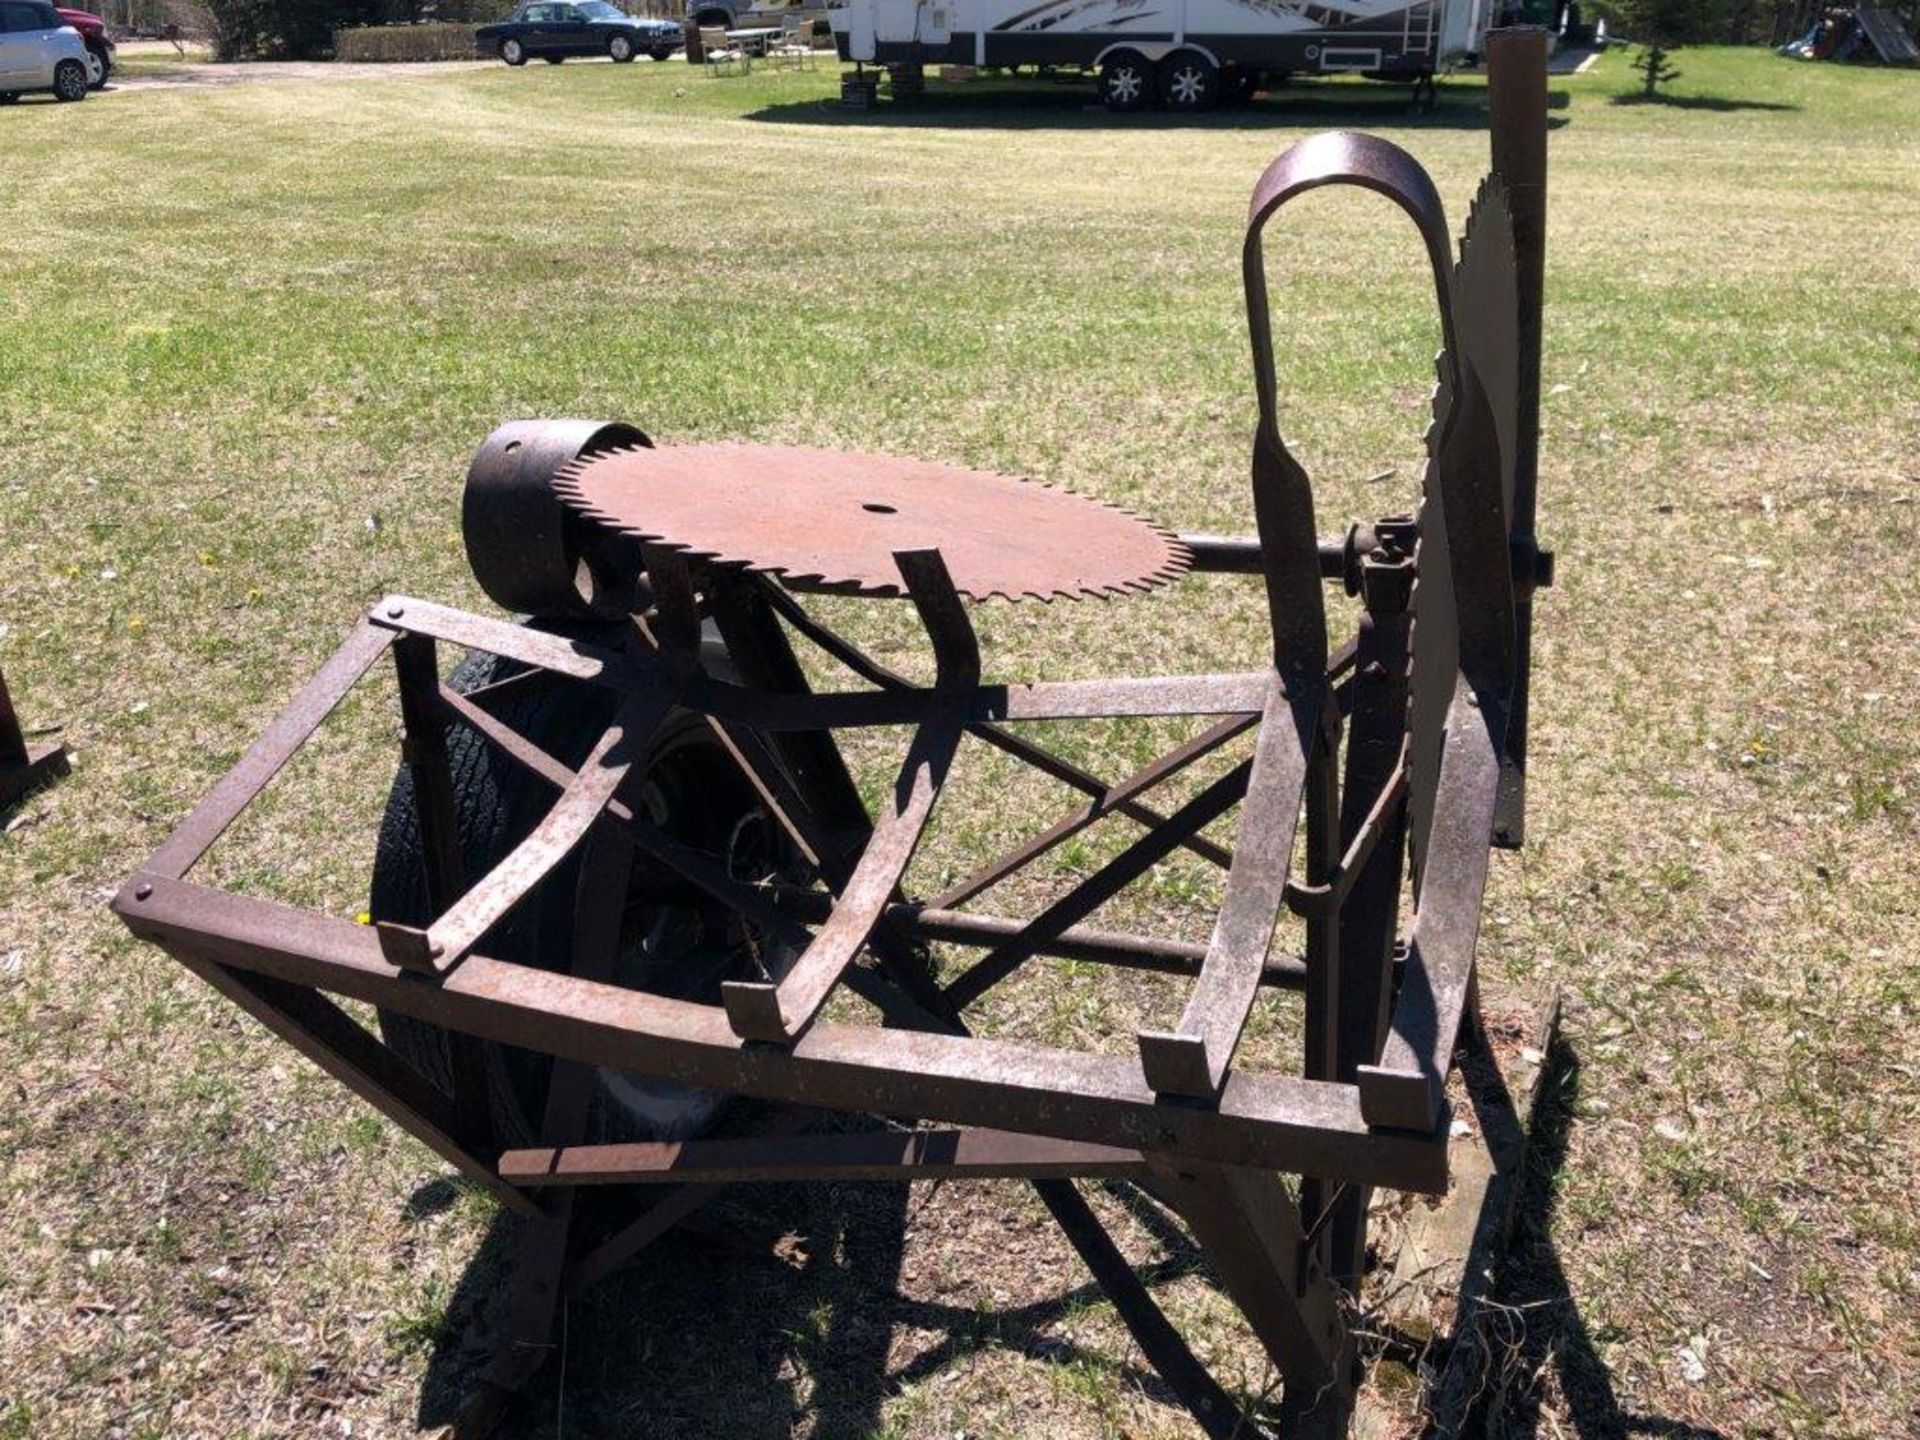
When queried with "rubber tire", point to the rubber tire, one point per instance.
{"points": [[510, 49], [69, 81], [105, 70], [1206, 77], [497, 803], [616, 45], [660, 57], [1141, 89]]}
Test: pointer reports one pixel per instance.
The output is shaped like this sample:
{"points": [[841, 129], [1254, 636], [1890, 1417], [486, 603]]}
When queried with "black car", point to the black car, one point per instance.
{"points": [[555, 29]]}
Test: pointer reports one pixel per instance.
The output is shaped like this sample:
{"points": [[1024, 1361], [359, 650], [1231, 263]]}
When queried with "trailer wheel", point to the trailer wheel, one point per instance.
{"points": [[1189, 82], [672, 943], [1126, 82]]}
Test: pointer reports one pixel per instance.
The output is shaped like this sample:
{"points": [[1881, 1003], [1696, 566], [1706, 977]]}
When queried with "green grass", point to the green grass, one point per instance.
{"points": [[248, 336]]}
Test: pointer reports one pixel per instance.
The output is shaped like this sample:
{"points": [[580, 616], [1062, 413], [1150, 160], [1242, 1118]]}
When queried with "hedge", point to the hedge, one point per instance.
{"points": [[405, 42]]}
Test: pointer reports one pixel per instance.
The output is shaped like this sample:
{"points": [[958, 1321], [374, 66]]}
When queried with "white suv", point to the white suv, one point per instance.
{"points": [[39, 51]]}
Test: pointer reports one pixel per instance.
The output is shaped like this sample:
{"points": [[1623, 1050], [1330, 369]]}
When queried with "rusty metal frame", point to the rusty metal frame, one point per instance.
{"points": [[1357, 761]]}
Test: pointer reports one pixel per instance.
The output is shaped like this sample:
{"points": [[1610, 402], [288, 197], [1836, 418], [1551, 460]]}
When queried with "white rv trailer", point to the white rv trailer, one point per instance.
{"points": [[1180, 53]]}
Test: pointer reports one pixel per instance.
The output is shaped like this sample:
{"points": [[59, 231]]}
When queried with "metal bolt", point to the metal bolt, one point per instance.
{"points": [[394, 612], [141, 892]]}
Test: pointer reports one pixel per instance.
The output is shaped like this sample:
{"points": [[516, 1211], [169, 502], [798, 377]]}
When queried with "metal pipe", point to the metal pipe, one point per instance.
{"points": [[1079, 942]]}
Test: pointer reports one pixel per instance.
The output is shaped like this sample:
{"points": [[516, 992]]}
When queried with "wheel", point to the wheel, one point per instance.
{"points": [[69, 81], [554, 59], [96, 71], [673, 942], [1238, 86], [660, 54], [513, 52], [620, 47], [1189, 82], [1126, 82]]}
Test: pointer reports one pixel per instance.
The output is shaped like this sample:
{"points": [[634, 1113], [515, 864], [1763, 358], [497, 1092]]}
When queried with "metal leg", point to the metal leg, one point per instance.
{"points": [[23, 766], [1252, 1233], [1369, 920], [524, 1340]]}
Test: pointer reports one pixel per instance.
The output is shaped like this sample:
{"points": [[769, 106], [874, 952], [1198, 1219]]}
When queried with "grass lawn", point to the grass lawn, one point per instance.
{"points": [[248, 337]]}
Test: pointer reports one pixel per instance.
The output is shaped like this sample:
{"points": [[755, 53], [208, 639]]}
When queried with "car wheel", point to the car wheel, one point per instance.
{"points": [[69, 81], [1126, 82], [1189, 82], [620, 47], [513, 52], [96, 71], [672, 941], [660, 55]]}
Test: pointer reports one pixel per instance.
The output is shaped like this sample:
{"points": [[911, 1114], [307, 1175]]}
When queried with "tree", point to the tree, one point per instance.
{"points": [[1661, 27]]}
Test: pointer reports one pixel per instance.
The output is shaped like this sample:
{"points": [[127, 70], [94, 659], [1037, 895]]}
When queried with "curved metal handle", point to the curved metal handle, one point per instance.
{"points": [[1342, 157]]}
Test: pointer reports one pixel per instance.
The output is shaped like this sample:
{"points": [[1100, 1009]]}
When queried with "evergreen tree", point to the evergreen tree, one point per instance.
{"points": [[1662, 26]]}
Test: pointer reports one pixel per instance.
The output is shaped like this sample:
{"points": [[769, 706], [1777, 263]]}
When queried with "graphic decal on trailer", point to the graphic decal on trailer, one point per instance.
{"points": [[1120, 14]]}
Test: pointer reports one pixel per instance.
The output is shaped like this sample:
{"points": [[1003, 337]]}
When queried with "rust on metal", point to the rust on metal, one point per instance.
{"points": [[826, 520], [669, 584]]}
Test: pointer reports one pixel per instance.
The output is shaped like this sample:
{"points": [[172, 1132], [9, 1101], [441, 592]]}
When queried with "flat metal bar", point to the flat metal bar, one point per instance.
{"points": [[1517, 120], [512, 687], [894, 1155], [1251, 1231], [1408, 1087], [1018, 746], [328, 1036], [668, 1211], [558, 834], [1280, 1122], [701, 870], [781, 1010], [1163, 1345], [1373, 828], [577, 659], [1101, 886], [761, 652], [269, 754], [1193, 1058], [1101, 806]]}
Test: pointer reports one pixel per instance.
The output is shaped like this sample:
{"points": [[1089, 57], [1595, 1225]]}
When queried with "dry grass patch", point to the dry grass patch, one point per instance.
{"points": [[248, 337]]}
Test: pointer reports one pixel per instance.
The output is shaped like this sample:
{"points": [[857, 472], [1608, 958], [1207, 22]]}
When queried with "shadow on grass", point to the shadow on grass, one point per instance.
{"points": [[780, 1306], [1534, 1326], [774, 1307], [1716, 103], [1037, 105]]}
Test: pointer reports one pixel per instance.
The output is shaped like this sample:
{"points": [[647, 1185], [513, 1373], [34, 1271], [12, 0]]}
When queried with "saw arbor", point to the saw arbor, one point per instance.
{"points": [[664, 871]]}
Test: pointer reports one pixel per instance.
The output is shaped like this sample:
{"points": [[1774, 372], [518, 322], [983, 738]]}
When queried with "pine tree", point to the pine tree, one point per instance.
{"points": [[1660, 27]]}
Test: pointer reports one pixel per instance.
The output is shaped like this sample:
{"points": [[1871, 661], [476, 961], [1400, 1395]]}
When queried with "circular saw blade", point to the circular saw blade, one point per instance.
{"points": [[1486, 315], [830, 521], [1486, 322]]}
